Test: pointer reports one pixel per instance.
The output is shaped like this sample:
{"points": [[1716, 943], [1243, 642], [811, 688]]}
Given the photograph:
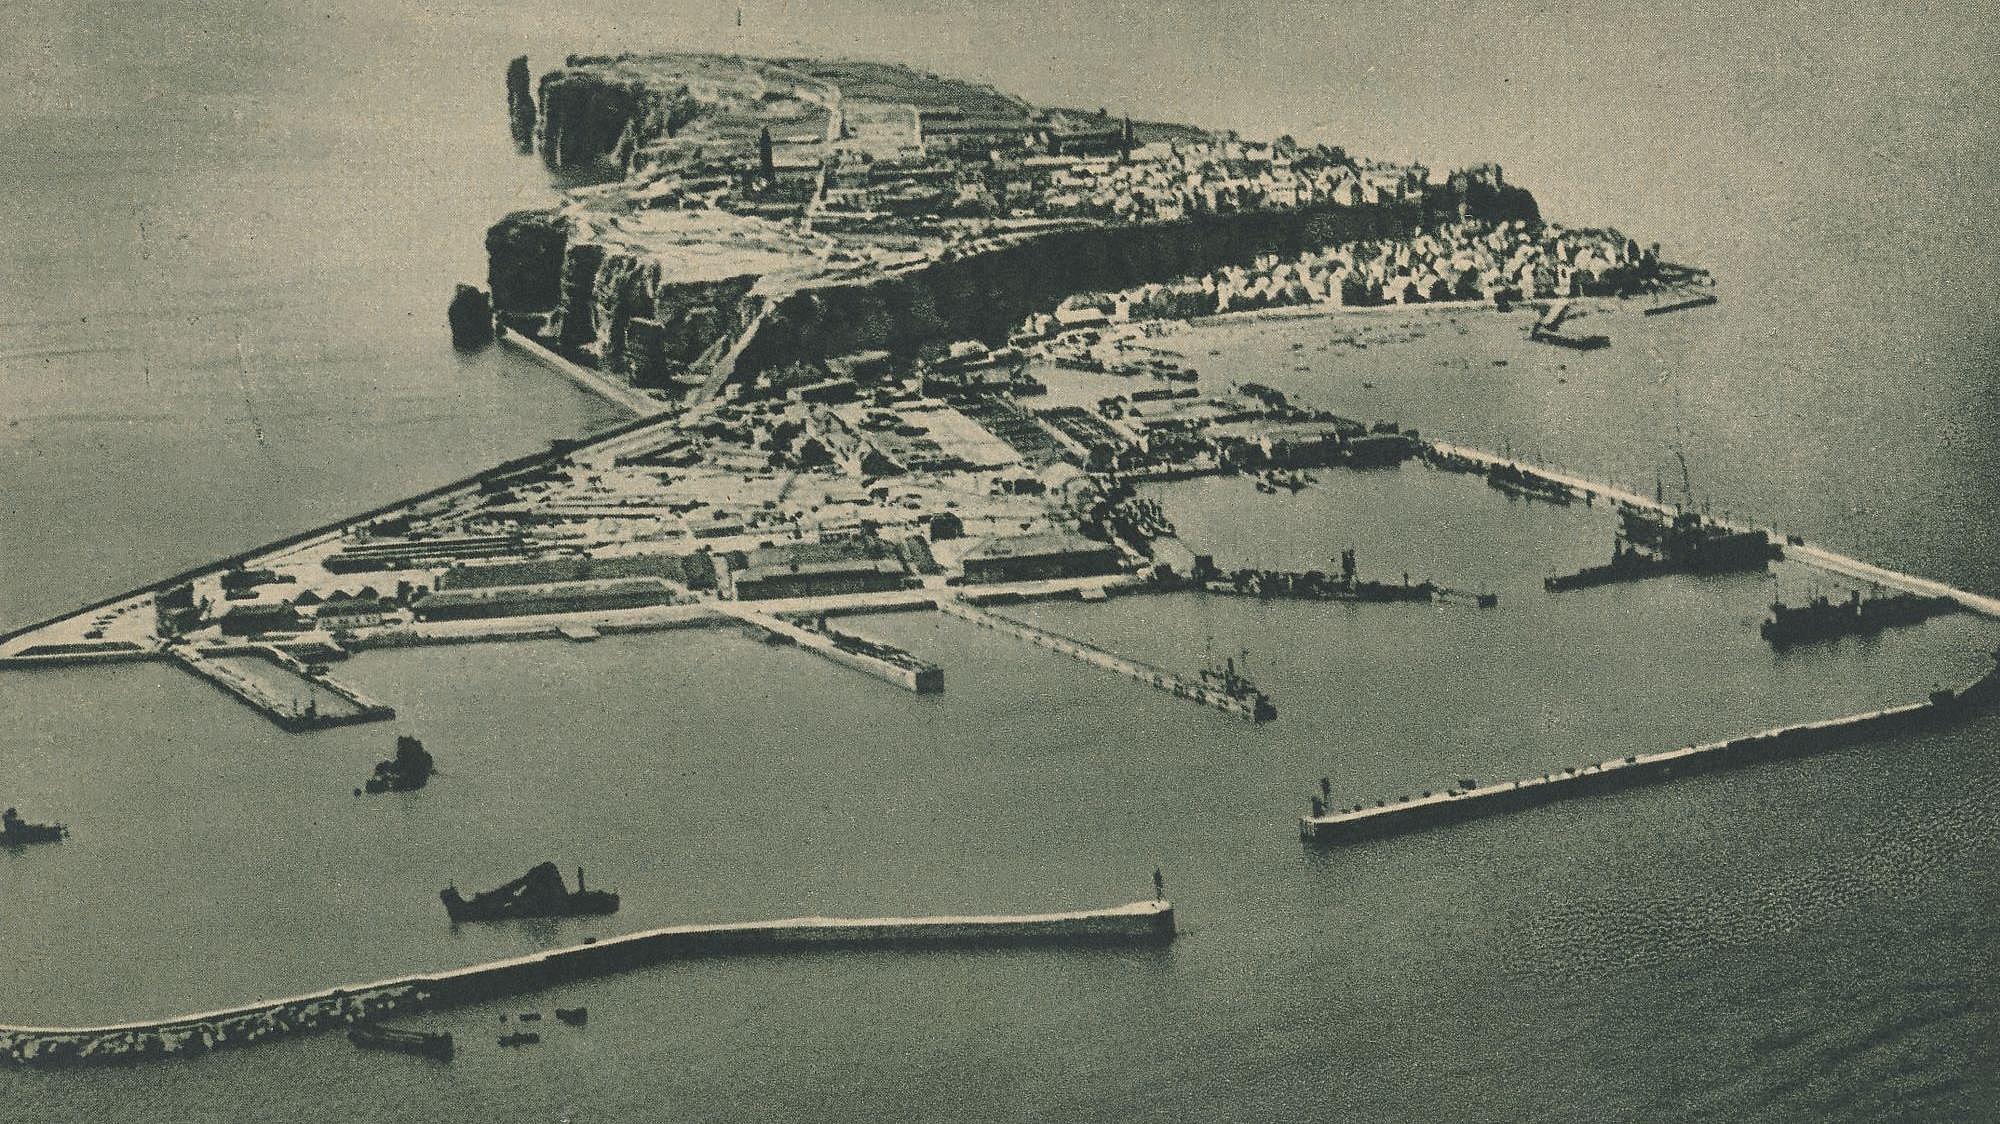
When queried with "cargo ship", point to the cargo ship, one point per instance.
{"points": [[425, 1043], [1821, 619], [1519, 482], [1316, 585], [538, 893], [1649, 545], [17, 832]]}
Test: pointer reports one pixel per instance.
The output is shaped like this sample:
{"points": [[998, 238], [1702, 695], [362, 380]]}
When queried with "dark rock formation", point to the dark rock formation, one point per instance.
{"points": [[986, 296], [583, 116], [524, 261], [637, 320], [521, 104], [471, 316]]}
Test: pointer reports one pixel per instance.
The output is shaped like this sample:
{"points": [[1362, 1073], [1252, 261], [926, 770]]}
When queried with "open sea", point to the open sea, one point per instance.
{"points": [[229, 232]]}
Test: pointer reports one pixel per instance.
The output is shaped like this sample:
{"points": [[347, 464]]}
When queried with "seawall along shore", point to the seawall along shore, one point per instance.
{"points": [[1145, 922]]}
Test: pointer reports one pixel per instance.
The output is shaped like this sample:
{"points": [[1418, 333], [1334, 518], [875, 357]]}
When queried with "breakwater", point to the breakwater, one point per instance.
{"points": [[1455, 805], [870, 657], [1243, 701], [344, 705], [1149, 922], [1460, 457]]}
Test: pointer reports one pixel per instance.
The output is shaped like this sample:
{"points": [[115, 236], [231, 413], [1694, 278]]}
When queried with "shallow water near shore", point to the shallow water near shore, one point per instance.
{"points": [[260, 213]]}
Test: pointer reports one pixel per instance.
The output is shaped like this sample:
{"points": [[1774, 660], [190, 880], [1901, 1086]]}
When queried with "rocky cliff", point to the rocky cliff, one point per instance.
{"points": [[520, 104], [586, 115], [986, 296], [621, 310], [636, 319]]}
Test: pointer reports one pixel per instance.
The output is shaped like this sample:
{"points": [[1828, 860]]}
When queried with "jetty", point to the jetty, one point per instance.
{"points": [[1454, 805], [1234, 698], [343, 706], [618, 393], [870, 657], [1135, 923]]}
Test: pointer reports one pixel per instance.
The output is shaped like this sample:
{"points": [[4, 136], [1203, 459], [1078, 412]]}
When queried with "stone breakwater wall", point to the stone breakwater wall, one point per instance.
{"points": [[1135, 923], [1433, 809]]}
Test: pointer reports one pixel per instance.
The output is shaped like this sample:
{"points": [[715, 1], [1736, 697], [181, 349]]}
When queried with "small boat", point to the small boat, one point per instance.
{"points": [[538, 893], [1676, 306], [426, 1043]]}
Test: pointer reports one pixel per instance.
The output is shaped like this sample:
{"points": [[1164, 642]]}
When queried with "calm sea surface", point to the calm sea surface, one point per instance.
{"points": [[230, 228]]}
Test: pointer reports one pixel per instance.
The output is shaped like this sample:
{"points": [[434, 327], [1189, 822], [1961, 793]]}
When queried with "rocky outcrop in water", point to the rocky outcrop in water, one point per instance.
{"points": [[471, 317], [521, 104]]}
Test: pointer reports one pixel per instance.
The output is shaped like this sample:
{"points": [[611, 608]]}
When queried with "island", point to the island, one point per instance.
{"points": [[899, 341]]}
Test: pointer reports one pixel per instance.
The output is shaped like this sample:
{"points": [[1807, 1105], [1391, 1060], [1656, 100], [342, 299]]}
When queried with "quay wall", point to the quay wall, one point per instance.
{"points": [[908, 672], [257, 698], [1412, 813], [1136, 923]]}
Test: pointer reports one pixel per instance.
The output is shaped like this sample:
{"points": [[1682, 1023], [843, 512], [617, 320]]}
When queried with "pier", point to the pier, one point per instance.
{"points": [[1249, 705], [1454, 805], [1136, 923], [870, 657], [346, 705]]}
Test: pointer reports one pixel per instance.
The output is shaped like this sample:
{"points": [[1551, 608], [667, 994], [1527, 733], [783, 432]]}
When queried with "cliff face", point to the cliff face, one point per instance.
{"points": [[985, 297], [623, 309], [524, 261], [582, 116], [642, 323]]}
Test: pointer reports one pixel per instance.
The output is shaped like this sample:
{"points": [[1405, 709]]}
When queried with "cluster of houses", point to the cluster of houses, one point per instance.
{"points": [[1457, 262]]}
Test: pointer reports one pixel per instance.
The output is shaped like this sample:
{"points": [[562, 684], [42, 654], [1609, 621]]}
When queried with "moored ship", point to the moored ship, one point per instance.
{"points": [[1821, 618], [1227, 679], [538, 893], [1575, 343], [1676, 306], [425, 1043]]}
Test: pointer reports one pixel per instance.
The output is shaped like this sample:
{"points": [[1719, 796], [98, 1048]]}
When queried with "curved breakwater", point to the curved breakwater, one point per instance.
{"points": [[1432, 809], [1148, 922]]}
